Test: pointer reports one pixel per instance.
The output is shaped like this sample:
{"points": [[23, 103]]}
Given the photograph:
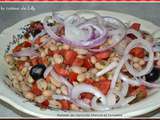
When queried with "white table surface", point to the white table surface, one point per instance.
{"points": [[146, 11]]}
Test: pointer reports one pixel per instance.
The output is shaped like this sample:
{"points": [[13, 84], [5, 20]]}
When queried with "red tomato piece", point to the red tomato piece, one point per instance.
{"points": [[135, 26], [73, 76], [87, 63], [65, 104], [44, 104], [69, 57], [35, 90], [103, 86], [140, 90], [138, 52], [27, 44], [103, 55], [86, 96], [60, 70], [89, 81], [78, 62]]}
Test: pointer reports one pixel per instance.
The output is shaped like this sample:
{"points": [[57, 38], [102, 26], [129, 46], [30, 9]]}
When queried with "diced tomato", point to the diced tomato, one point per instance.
{"points": [[48, 78], [65, 104], [73, 76], [86, 96], [131, 36], [60, 70], [44, 104], [69, 56], [142, 90], [103, 86], [27, 44], [78, 62], [135, 26], [88, 81], [138, 52], [131, 89], [17, 48], [35, 90], [34, 61], [50, 53], [37, 41], [87, 63], [103, 55]]}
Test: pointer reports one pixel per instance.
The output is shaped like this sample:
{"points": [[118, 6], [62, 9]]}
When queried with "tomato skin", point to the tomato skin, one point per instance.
{"points": [[35, 90], [87, 63], [65, 104], [73, 76], [86, 96], [69, 56], [135, 26], [60, 70], [103, 86], [25, 44], [103, 55], [78, 62], [88, 81], [44, 104], [140, 90], [138, 52]]}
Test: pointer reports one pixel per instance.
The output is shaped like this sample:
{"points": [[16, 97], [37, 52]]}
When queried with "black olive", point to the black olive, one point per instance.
{"points": [[37, 71], [153, 75]]}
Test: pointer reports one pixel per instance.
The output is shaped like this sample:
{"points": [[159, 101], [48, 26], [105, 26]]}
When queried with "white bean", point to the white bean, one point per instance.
{"points": [[93, 60], [64, 90], [47, 93], [74, 107], [42, 84], [141, 62], [58, 91], [55, 104], [55, 82], [9, 59], [81, 77], [29, 95], [78, 69], [40, 98], [30, 79], [51, 87], [99, 66], [58, 58], [65, 46], [81, 51]]}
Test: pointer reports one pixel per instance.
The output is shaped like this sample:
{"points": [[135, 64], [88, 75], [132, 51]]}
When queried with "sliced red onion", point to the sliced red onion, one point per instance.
{"points": [[47, 71], [107, 69], [124, 101], [124, 89], [51, 33], [81, 88], [62, 80], [147, 46], [61, 97], [27, 52], [39, 35], [134, 32], [128, 80], [117, 71], [57, 18], [99, 106]]}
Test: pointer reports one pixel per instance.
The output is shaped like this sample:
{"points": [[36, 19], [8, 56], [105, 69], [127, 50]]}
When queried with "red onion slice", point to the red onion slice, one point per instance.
{"points": [[62, 80], [81, 88], [27, 52], [147, 46], [107, 69], [47, 71]]}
